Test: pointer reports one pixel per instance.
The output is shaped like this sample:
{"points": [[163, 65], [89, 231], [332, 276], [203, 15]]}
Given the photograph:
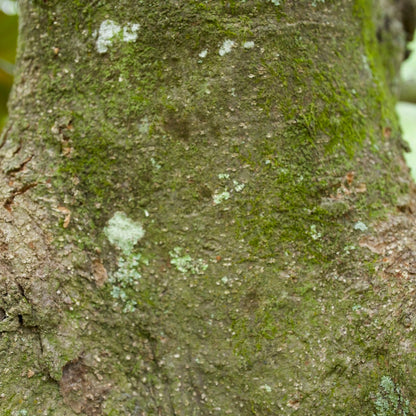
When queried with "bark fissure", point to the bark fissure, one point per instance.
{"points": [[20, 167], [9, 201]]}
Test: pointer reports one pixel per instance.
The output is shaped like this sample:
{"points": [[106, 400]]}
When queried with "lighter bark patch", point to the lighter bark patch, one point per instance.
{"points": [[99, 272], [81, 390]]}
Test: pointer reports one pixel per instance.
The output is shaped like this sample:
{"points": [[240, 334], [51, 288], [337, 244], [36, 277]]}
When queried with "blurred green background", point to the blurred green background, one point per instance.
{"points": [[407, 109], [8, 38]]}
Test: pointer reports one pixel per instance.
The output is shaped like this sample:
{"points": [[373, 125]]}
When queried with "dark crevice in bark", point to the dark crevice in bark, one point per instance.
{"points": [[22, 165], [21, 290], [40, 342], [9, 201], [19, 148]]}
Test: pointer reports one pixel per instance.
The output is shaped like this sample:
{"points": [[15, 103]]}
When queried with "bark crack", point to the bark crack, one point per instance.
{"points": [[21, 166], [9, 201]]}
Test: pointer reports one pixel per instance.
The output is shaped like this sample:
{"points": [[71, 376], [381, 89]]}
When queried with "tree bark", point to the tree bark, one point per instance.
{"points": [[205, 211]]}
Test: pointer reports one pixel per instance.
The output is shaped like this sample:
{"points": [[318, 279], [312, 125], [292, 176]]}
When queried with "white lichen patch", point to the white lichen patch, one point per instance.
{"points": [[359, 225], [110, 31], [314, 233], [123, 232], [276, 2], [226, 47], [130, 32], [224, 194], [223, 176], [107, 32], [185, 263], [238, 187], [220, 197], [248, 45], [203, 53]]}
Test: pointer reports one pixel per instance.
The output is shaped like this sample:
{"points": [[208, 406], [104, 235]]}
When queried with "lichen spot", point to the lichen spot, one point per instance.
{"points": [[110, 30], [248, 45], [360, 226], [130, 32], [123, 232], [226, 47], [203, 53], [223, 196]]}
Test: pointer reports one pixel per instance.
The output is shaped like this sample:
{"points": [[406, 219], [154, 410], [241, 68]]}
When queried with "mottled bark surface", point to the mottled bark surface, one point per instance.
{"points": [[205, 210]]}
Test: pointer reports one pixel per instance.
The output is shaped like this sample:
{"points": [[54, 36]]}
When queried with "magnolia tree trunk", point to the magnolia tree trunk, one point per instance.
{"points": [[205, 211]]}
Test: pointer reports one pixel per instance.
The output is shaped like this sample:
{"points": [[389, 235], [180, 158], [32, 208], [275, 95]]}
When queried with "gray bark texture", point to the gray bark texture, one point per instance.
{"points": [[205, 211]]}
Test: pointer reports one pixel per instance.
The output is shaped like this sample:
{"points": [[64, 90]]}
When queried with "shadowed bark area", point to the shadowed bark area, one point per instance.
{"points": [[205, 210]]}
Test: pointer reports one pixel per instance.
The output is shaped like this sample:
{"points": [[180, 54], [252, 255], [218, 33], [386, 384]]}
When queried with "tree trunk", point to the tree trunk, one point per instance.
{"points": [[205, 211]]}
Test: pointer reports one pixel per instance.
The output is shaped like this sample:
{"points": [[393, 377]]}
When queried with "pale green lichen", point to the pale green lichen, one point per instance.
{"points": [[238, 187], [155, 164], [185, 263], [359, 225], [389, 399], [123, 232], [349, 248], [220, 196], [223, 196], [125, 278], [223, 176]]}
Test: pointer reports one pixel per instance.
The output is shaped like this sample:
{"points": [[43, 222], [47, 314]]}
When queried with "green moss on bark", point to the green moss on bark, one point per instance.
{"points": [[258, 163]]}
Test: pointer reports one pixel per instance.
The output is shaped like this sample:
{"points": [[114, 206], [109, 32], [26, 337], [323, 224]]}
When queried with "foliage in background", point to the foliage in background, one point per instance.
{"points": [[407, 110], [8, 39]]}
